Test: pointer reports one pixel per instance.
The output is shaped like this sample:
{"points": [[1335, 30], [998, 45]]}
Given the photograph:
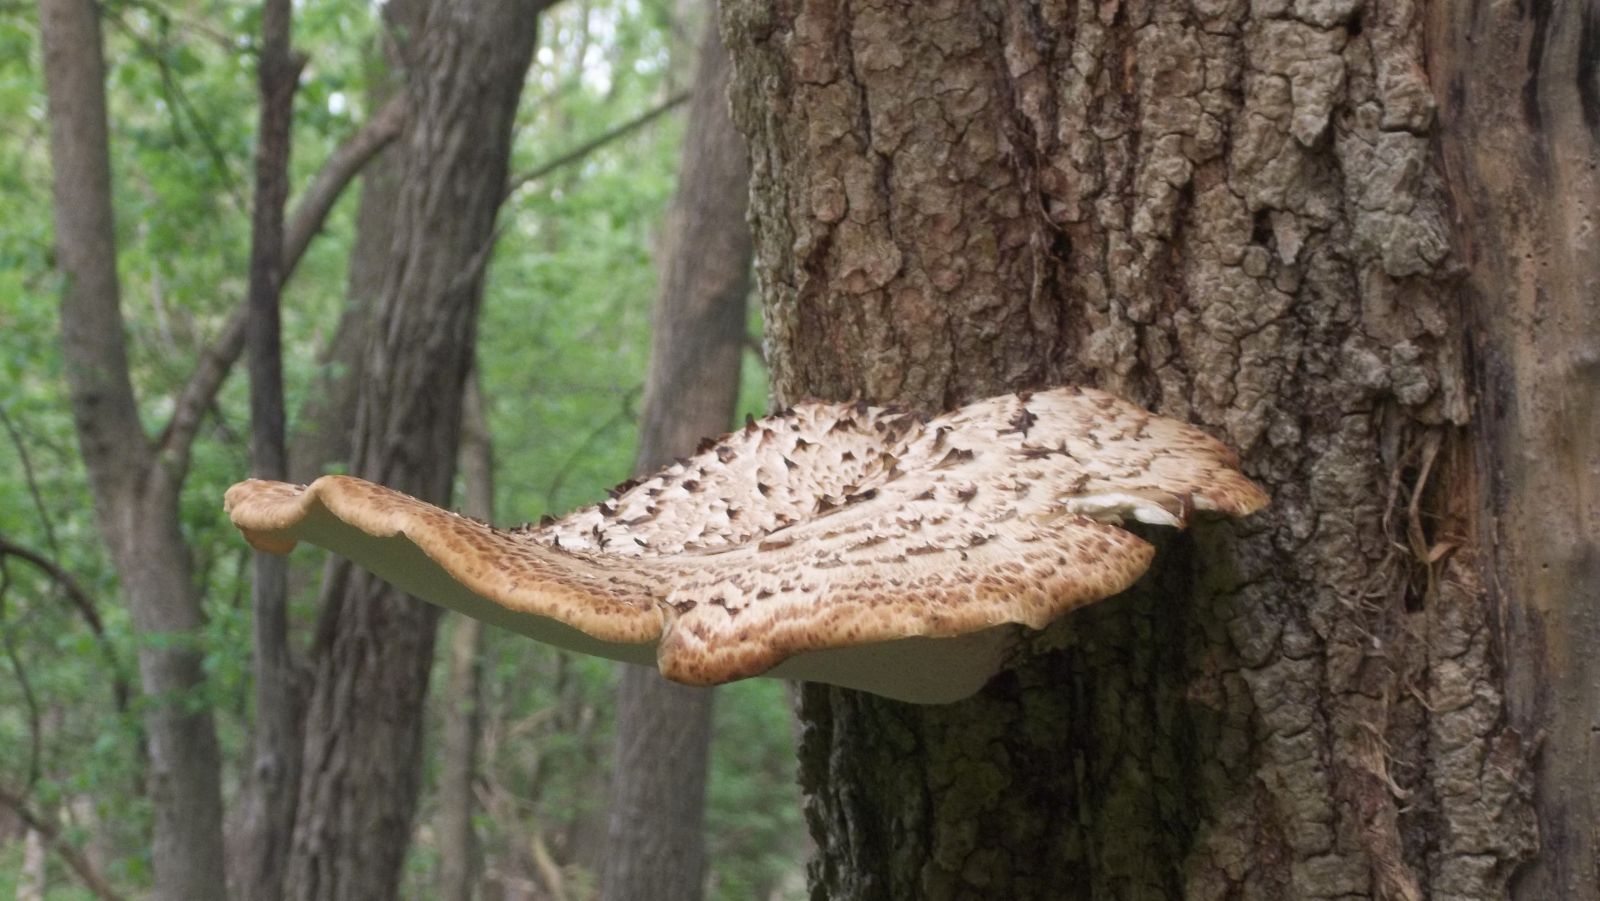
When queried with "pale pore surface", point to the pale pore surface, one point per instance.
{"points": [[849, 544]]}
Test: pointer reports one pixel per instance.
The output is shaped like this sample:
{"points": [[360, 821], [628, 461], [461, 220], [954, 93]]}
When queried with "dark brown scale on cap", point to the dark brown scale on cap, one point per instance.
{"points": [[955, 457], [1021, 422]]}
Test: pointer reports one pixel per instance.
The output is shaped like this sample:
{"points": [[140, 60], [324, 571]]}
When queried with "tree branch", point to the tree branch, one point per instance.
{"points": [[582, 150], [341, 167], [86, 608], [33, 482], [8, 638], [79, 864], [309, 215], [480, 259]]}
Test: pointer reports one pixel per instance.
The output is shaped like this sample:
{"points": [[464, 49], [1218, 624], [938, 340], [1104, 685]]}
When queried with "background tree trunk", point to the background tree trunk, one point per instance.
{"points": [[135, 483], [1230, 213], [374, 646], [322, 439], [463, 726], [274, 773], [656, 831]]}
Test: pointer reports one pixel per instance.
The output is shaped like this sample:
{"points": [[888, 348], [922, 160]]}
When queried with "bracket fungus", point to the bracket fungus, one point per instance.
{"points": [[861, 546]]}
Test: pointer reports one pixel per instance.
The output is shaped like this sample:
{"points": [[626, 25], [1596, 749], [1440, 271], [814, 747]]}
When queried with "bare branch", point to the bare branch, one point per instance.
{"points": [[624, 413], [33, 482], [309, 215], [35, 727], [341, 167], [86, 608], [582, 150], [80, 865], [480, 259]]}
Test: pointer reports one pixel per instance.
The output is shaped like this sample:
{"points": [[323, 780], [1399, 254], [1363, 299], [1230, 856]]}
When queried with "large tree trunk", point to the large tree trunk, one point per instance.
{"points": [[1233, 214], [374, 646], [656, 831], [135, 486]]}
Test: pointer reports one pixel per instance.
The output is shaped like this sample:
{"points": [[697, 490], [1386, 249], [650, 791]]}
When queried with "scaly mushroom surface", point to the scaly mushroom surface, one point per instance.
{"points": [[861, 546]]}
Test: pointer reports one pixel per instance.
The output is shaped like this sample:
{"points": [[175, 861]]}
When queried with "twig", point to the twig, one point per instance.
{"points": [[624, 412], [582, 150], [33, 483], [35, 726], [480, 258], [75, 861], [86, 608], [178, 99], [310, 212]]}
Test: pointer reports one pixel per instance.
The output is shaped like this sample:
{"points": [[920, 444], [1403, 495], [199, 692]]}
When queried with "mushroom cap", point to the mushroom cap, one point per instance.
{"points": [[860, 546]]}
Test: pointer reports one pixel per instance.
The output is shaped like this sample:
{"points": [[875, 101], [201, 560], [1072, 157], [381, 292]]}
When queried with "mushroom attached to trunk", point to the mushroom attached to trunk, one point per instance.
{"points": [[860, 546]]}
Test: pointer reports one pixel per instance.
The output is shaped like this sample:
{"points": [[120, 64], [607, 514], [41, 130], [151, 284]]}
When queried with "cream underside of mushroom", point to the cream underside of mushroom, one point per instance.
{"points": [[844, 544], [919, 670]]}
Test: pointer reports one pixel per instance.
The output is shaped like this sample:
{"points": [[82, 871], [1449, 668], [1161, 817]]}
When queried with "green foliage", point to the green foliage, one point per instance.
{"points": [[564, 340]]}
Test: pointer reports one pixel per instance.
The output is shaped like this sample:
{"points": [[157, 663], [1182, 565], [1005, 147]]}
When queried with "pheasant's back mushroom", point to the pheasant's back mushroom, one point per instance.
{"points": [[854, 545]]}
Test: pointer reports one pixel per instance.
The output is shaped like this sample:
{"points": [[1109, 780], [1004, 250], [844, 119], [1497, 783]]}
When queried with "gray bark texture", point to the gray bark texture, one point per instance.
{"points": [[655, 844], [135, 481], [374, 646], [1256, 217]]}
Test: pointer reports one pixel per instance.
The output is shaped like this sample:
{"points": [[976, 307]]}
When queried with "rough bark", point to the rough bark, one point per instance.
{"points": [[135, 491], [1520, 111], [463, 708], [1231, 213], [656, 830], [374, 645]]}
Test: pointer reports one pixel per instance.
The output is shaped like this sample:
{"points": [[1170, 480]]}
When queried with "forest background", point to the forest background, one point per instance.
{"points": [[564, 344]]}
